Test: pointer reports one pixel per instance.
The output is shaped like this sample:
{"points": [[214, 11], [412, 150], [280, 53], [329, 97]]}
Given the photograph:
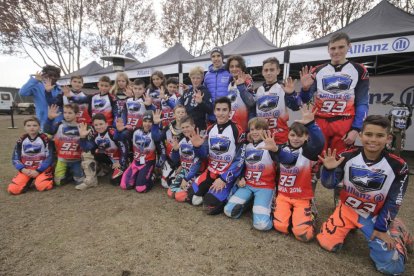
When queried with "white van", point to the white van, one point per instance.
{"points": [[6, 101]]}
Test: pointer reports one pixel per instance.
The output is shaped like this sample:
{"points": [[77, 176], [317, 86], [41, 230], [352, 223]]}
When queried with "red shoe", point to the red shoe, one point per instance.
{"points": [[117, 173]]}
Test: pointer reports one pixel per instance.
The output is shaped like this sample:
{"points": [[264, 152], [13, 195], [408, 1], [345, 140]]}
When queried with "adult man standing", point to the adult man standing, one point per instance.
{"points": [[217, 78]]}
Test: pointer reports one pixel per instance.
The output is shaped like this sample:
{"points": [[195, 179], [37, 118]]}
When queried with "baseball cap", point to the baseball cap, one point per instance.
{"points": [[218, 50]]}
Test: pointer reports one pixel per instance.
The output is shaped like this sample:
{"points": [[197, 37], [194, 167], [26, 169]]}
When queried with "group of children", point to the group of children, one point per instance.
{"points": [[227, 153]]}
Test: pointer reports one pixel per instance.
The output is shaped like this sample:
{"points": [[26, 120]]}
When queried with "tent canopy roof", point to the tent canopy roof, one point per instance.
{"points": [[88, 69], [381, 21], [252, 41], [174, 54]]}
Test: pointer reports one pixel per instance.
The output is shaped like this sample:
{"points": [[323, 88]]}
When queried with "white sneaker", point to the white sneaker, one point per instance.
{"points": [[197, 200]]}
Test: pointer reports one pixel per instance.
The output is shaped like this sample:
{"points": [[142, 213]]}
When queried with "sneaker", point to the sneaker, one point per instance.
{"points": [[117, 173], [197, 200], [141, 189], [399, 230]]}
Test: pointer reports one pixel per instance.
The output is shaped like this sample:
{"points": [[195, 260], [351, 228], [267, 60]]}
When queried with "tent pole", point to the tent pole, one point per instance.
{"points": [[180, 77], [286, 62]]}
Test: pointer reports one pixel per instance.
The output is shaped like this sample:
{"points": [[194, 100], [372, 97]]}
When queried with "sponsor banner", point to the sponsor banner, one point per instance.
{"points": [[357, 49], [396, 88]]}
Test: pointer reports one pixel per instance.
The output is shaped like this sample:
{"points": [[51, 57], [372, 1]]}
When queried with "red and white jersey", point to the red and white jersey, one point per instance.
{"points": [[144, 146], [168, 111], [34, 151], [260, 169], [335, 94], [135, 109], [83, 114], [107, 145], [222, 146], [67, 142], [295, 181], [155, 95], [102, 104], [239, 112], [366, 187], [270, 104]]}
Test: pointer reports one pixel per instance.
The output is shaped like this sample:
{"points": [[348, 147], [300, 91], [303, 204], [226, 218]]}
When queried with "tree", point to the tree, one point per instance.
{"points": [[120, 26], [46, 31], [406, 5], [326, 16]]}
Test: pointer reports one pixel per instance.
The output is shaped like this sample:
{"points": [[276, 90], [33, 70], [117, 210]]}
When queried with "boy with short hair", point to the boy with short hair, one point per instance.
{"points": [[33, 158], [225, 159], [375, 182], [66, 138], [273, 99], [68, 96], [137, 105], [293, 203], [197, 100], [169, 100], [101, 102], [188, 165], [103, 145]]}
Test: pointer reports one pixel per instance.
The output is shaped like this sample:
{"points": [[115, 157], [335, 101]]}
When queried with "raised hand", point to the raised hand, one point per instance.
{"points": [[156, 116], [306, 78], [66, 91], [329, 160], [53, 111], [198, 96], [48, 85], [120, 124], [269, 140], [183, 86], [241, 78], [289, 85], [196, 139], [38, 76], [307, 114], [147, 99], [83, 130], [175, 144]]}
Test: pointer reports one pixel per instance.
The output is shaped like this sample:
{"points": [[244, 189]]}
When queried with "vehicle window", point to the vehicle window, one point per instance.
{"points": [[5, 97]]}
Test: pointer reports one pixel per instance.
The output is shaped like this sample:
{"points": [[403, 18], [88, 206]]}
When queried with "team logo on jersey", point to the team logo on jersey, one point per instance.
{"points": [[186, 149], [154, 94], [232, 95], [219, 145], [336, 83], [98, 103], [133, 106], [103, 143], [142, 141], [32, 149], [254, 156], [267, 103], [70, 131], [366, 180]]}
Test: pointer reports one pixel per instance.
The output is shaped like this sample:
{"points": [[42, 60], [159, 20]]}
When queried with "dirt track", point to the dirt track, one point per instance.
{"points": [[107, 231]]}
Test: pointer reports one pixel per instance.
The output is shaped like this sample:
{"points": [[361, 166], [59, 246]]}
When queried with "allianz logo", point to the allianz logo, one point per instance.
{"points": [[400, 44]]}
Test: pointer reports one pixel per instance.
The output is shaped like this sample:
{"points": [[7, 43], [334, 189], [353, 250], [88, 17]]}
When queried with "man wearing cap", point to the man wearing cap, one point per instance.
{"points": [[217, 78]]}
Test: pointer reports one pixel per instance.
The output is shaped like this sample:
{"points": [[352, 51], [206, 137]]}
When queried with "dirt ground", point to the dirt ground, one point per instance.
{"points": [[107, 231]]}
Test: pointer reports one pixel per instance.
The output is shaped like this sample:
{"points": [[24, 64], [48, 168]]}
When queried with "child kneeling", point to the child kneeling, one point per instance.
{"points": [[33, 158], [295, 193]]}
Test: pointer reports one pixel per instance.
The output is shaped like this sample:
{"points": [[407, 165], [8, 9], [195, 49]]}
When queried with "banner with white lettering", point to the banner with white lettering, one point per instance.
{"points": [[362, 48]]}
